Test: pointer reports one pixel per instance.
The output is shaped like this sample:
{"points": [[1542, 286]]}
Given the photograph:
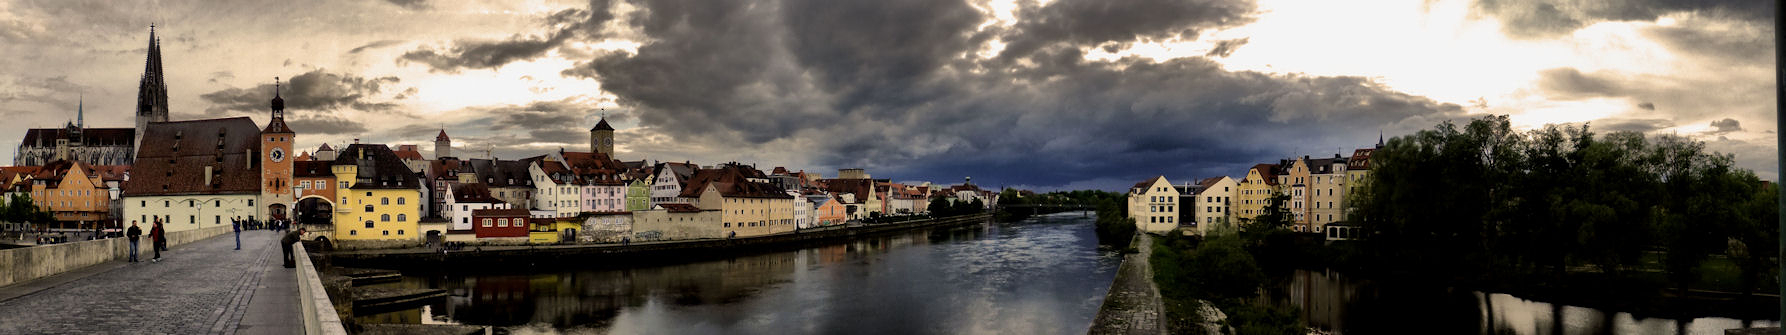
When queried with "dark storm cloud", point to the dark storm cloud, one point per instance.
{"points": [[1726, 125], [1569, 83], [893, 86], [1735, 45], [488, 54], [324, 124], [1550, 18], [1631, 125], [375, 45], [1224, 48], [1098, 22], [410, 4], [311, 91]]}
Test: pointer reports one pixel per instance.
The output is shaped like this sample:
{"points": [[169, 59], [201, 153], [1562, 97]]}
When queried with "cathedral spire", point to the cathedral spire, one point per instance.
{"points": [[80, 112], [151, 95]]}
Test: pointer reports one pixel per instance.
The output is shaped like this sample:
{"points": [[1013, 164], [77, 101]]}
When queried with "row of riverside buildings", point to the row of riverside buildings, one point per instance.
{"points": [[1317, 190], [194, 174]]}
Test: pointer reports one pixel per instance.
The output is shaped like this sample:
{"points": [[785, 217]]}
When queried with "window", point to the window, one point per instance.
{"points": [[351, 232], [344, 185], [217, 203], [304, 184], [399, 202], [321, 185], [384, 218], [191, 219], [502, 223], [399, 232], [368, 223], [487, 223], [384, 201], [368, 208], [464, 220], [465, 207], [145, 203], [250, 202], [402, 218], [165, 203], [387, 233]]}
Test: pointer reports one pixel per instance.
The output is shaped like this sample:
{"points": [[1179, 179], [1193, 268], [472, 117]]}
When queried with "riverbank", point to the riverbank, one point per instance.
{"points": [[530, 256], [1133, 305]]}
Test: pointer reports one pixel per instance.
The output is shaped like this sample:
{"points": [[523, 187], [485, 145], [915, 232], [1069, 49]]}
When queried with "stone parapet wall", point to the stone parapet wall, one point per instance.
{"points": [[24, 264]]}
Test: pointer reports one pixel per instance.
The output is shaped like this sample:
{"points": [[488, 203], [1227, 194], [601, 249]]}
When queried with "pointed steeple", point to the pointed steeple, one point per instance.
{"points": [[80, 112], [151, 95], [1379, 139]]}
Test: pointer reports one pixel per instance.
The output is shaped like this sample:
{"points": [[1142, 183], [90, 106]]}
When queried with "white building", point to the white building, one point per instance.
{"points": [[803, 210], [462, 200], [1213, 204], [1154, 205]]}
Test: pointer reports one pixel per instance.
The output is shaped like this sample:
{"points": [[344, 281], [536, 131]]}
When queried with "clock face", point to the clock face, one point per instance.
{"points": [[278, 154]]}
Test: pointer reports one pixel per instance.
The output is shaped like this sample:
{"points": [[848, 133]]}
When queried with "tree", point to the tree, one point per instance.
{"points": [[1757, 238]]}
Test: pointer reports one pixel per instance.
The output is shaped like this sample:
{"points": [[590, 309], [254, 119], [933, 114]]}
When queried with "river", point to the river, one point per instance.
{"points": [[1331, 301], [1044, 275]]}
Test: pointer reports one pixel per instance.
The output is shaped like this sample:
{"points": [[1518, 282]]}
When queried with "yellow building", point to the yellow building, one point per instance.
{"points": [[749, 205], [380, 196], [1154, 205], [1358, 170], [1255, 190], [1326, 192]]}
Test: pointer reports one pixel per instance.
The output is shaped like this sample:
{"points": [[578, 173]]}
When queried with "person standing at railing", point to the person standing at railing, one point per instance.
{"points": [[285, 244]]}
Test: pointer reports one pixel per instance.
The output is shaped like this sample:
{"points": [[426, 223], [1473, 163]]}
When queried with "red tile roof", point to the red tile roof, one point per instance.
{"points": [[173, 155], [732, 181], [680, 208]]}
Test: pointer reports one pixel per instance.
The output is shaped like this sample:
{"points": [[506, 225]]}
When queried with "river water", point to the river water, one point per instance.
{"points": [[1044, 275], [1333, 302]]}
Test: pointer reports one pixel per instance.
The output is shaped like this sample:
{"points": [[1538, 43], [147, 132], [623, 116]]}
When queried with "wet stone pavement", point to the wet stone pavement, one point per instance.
{"points": [[205, 287], [1133, 305]]}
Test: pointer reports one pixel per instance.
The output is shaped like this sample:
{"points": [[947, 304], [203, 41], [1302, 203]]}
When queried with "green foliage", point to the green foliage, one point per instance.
{"points": [[1483, 200], [20, 208], [1265, 320], [1114, 227]]}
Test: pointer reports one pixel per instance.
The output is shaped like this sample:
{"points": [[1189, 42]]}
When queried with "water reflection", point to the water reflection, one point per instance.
{"points": [[1330, 301], [1044, 276]]}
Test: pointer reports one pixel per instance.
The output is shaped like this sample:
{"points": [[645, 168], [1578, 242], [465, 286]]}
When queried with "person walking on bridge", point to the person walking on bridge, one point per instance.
{"points": [[133, 233], [158, 240]]}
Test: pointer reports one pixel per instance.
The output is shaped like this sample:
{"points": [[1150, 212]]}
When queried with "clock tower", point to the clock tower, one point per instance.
{"points": [[276, 161]]}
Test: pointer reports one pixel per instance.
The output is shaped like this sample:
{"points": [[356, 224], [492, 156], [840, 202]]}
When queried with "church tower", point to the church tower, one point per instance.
{"points": [[601, 138], [151, 92], [443, 146], [276, 170]]}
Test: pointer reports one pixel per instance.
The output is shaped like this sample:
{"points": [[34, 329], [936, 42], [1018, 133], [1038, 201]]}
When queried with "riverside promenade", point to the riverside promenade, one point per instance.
{"points": [[203, 287]]}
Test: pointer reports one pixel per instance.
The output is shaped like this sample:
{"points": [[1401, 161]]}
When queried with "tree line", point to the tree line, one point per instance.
{"points": [[1483, 200]]}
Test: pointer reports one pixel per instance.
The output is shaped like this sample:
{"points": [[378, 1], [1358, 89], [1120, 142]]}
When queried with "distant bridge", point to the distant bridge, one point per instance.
{"points": [[1036, 209]]}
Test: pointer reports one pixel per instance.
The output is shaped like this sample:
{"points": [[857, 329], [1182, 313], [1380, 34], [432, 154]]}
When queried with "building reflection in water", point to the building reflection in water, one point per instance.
{"points": [[1044, 277]]}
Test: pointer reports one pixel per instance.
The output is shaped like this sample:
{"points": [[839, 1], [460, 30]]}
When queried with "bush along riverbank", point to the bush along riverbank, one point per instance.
{"points": [[1224, 270]]}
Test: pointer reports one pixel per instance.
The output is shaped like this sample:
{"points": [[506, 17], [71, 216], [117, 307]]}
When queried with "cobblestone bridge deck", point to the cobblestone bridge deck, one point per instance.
{"points": [[205, 287]]}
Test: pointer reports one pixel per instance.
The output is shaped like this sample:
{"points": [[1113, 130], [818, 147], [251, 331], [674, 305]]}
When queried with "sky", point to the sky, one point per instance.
{"points": [[1043, 95]]}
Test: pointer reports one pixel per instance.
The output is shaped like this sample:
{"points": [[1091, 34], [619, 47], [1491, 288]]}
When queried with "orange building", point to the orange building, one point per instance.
{"points": [[830, 212], [76, 193]]}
